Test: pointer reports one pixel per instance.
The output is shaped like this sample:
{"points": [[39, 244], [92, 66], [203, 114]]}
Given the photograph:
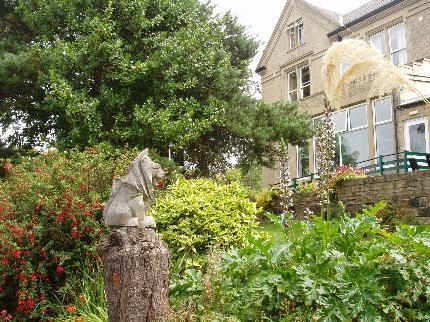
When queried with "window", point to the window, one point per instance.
{"points": [[296, 35], [344, 66], [292, 86], [292, 37], [302, 161], [339, 120], [352, 137], [384, 128], [301, 33], [378, 42], [358, 117], [398, 44], [305, 82], [416, 135]]}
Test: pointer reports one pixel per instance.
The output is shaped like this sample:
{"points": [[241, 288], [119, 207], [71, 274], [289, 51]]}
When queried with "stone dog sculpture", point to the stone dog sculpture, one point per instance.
{"points": [[133, 194]]}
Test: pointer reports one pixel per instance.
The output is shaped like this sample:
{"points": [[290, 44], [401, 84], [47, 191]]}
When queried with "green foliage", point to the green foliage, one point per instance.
{"points": [[144, 73], [307, 186], [88, 298], [345, 172], [349, 269], [392, 216], [50, 211], [251, 178], [266, 124], [267, 199], [195, 215]]}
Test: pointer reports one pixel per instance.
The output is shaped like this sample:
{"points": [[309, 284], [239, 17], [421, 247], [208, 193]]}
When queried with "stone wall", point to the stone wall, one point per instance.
{"points": [[408, 190]]}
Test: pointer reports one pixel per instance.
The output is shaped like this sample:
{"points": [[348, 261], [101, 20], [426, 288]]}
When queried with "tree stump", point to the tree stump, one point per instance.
{"points": [[136, 270]]}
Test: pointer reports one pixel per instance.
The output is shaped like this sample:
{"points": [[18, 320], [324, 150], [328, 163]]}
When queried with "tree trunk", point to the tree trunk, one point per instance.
{"points": [[136, 269]]}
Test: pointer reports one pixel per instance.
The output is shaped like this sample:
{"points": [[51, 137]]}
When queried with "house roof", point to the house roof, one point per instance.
{"points": [[335, 17], [364, 12], [332, 17], [340, 22]]}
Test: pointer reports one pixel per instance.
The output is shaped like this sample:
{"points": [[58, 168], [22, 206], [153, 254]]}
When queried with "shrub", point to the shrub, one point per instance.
{"points": [[251, 179], [307, 186], [349, 269], [50, 221], [392, 216], [85, 299], [266, 199], [195, 215], [346, 172]]}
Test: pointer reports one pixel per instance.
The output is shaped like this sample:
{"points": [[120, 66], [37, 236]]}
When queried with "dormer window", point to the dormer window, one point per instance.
{"points": [[296, 35]]}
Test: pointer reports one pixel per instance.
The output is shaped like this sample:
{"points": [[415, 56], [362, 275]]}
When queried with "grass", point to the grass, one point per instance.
{"points": [[275, 232], [89, 298]]}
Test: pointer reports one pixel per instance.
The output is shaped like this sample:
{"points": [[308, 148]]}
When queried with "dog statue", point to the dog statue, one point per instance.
{"points": [[133, 194]]}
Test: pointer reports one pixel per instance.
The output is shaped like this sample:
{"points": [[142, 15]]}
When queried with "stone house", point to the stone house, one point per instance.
{"points": [[366, 127]]}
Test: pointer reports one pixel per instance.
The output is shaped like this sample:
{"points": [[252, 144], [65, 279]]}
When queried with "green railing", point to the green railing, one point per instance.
{"points": [[383, 164]]}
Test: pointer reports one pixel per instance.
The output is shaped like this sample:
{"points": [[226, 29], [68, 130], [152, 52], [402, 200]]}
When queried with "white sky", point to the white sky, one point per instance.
{"points": [[261, 16]]}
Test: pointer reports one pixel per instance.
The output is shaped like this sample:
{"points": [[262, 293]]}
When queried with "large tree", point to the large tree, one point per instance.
{"points": [[147, 73]]}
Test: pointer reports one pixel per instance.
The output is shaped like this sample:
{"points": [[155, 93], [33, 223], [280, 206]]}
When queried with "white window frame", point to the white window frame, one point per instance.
{"points": [[298, 159], [348, 117], [293, 31], [401, 49], [375, 123], [302, 86], [288, 86], [348, 126], [414, 122], [300, 31], [382, 32]]}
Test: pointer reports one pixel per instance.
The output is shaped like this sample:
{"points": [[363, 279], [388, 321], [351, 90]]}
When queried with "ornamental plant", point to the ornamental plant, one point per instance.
{"points": [[50, 221], [347, 269], [346, 172], [196, 215], [325, 155], [308, 186]]}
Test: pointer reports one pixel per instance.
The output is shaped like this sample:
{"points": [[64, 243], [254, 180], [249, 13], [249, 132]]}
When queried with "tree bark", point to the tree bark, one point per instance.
{"points": [[136, 269]]}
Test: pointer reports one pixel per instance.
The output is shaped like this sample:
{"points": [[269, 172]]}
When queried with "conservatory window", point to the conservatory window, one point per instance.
{"points": [[384, 128], [398, 44], [292, 86], [352, 137]]}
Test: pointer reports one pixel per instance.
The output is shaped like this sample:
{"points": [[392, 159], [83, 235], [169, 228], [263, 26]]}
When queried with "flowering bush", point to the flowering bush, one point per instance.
{"points": [[346, 172], [50, 222]]}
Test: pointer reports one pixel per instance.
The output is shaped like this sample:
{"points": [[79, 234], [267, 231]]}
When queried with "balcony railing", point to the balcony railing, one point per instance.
{"points": [[405, 161]]}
